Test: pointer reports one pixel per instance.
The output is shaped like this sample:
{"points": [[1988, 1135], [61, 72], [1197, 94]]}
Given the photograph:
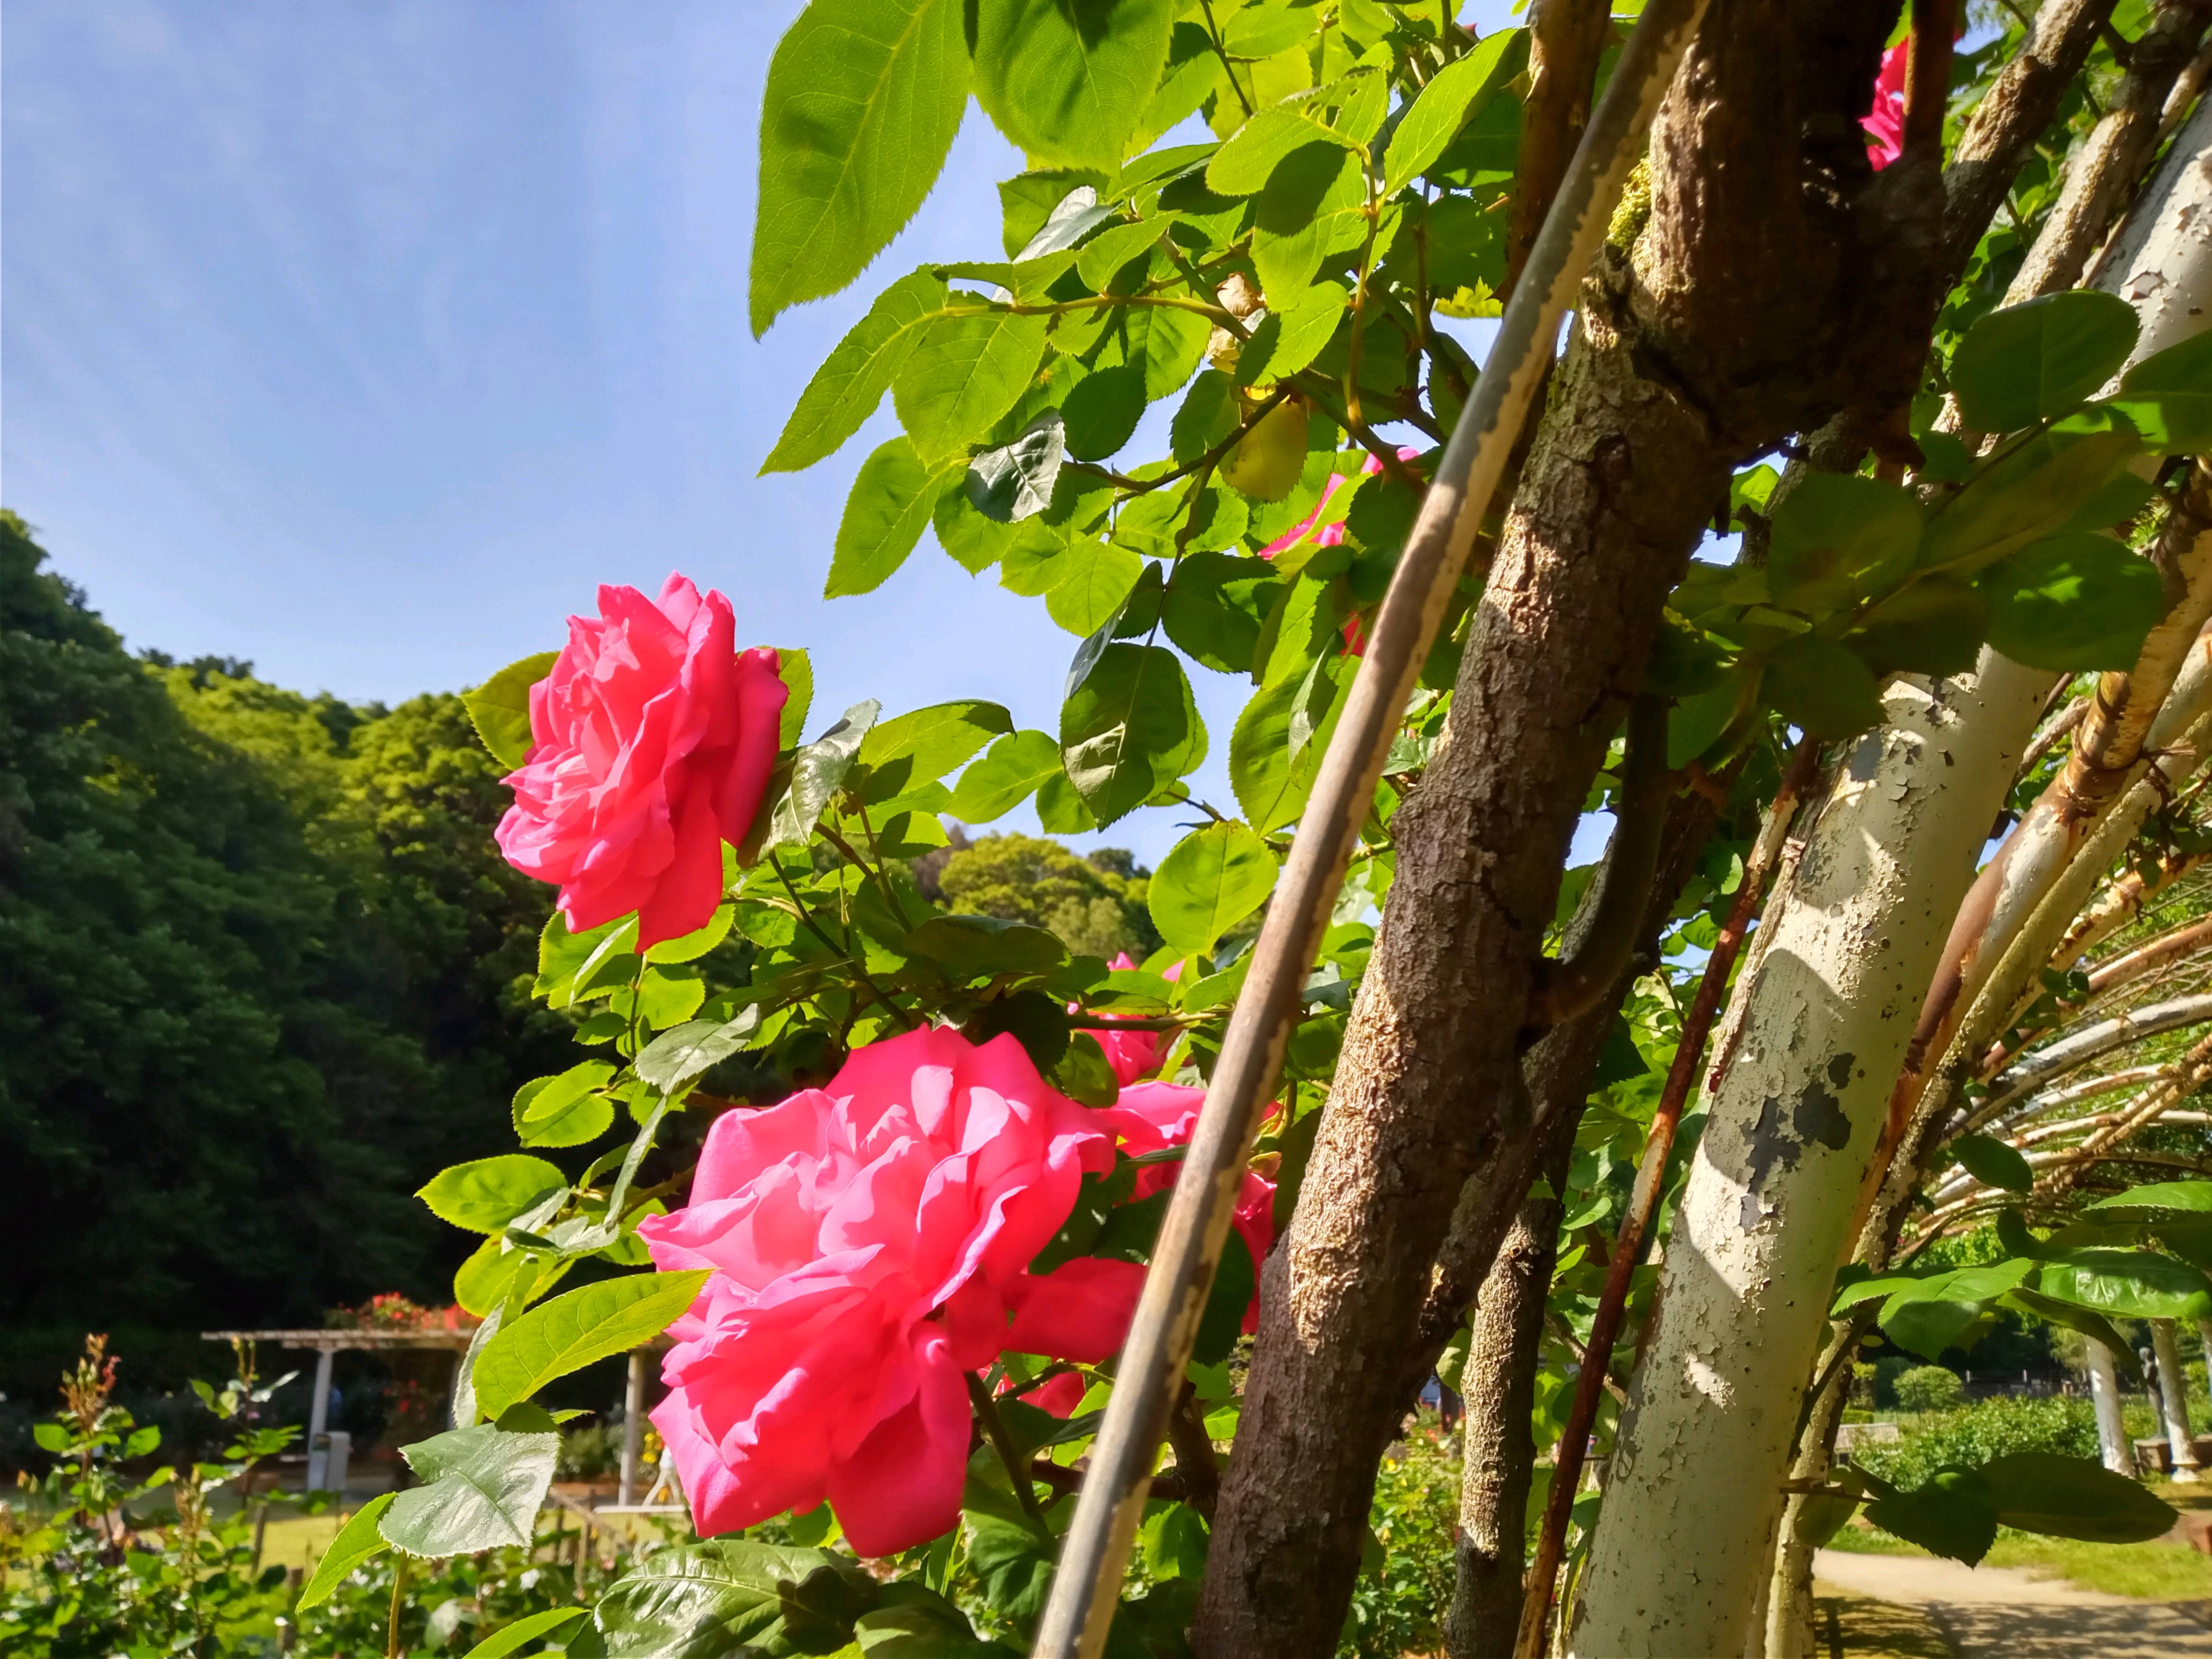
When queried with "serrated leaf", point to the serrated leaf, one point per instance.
{"points": [[1067, 80], [2162, 1200], [1006, 775], [357, 1541], [1131, 727], [483, 1196], [974, 947], [1092, 592], [863, 99], [2126, 1284], [732, 1597], [967, 370], [1010, 1555], [889, 507], [1102, 412], [2040, 359], [523, 1631], [482, 1490], [1441, 109], [1014, 482], [573, 1329], [817, 772], [1242, 166], [500, 707], [692, 1050], [910, 749], [1313, 207], [562, 1110], [1286, 341], [852, 380], [1211, 880]]}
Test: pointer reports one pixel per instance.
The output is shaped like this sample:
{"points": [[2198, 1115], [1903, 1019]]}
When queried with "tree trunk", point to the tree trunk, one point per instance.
{"points": [[2104, 1394], [1788, 1625], [1500, 1450], [1684, 1538], [1772, 270], [2173, 1400]]}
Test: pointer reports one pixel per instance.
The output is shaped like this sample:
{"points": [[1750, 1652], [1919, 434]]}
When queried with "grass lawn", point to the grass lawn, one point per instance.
{"points": [[2160, 1569]]}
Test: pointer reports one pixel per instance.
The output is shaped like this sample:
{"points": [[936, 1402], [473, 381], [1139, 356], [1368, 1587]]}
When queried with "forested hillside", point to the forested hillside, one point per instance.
{"points": [[257, 958]]}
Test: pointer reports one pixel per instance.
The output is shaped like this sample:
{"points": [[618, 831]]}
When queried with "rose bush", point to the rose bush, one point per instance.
{"points": [[653, 739]]}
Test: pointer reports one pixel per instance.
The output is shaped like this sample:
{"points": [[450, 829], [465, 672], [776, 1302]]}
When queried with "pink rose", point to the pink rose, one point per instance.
{"points": [[871, 1243], [1154, 1116], [1885, 127], [1332, 535], [652, 741], [1132, 1054]]}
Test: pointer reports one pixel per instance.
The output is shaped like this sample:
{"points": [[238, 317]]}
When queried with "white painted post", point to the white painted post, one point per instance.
{"points": [[2173, 1400], [318, 1417], [633, 1447], [2104, 1392]]}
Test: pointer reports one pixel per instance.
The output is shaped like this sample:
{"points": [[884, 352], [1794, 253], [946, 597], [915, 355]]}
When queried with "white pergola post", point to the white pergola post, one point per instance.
{"points": [[633, 1447], [2173, 1399], [2105, 1393], [319, 1416]]}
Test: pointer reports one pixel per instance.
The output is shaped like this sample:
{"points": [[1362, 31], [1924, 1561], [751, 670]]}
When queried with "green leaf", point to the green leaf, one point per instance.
{"points": [[967, 371], [1271, 788], [1102, 412], [853, 379], [484, 1195], [796, 670], [863, 99], [1165, 341], [1444, 105], [573, 1329], [1932, 626], [1215, 605], [2036, 361], [1008, 1552], [1211, 880], [1067, 80], [357, 1541], [2028, 492], [1091, 593], [2168, 397], [1994, 1164], [2163, 1201], [732, 1598], [921, 1632], [2126, 1284], [2073, 603], [690, 1050], [1242, 166], [1838, 537], [1014, 482], [523, 1631], [1313, 207], [1286, 341], [1262, 30], [500, 707], [1006, 775], [563, 1111], [1209, 414], [889, 507], [1129, 729], [2066, 1314], [816, 773], [1222, 1321], [1952, 1514], [483, 1489], [911, 749], [1822, 687], [2074, 1497], [1928, 1325], [976, 947]]}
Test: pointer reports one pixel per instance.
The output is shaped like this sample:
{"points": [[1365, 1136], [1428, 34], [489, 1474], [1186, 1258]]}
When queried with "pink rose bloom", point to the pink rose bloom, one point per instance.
{"points": [[1059, 1394], [1885, 127], [1355, 637], [1154, 1116], [871, 1244], [1132, 1054], [653, 740]]}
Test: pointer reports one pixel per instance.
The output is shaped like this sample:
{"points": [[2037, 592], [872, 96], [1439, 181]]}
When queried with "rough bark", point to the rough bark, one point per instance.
{"points": [[1499, 1449], [1565, 39], [1684, 1541], [1763, 207]]}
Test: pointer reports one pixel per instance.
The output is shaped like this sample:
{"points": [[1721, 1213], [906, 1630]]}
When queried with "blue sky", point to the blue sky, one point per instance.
{"points": [[363, 340]]}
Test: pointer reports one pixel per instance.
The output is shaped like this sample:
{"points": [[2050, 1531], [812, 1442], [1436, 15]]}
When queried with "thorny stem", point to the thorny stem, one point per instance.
{"points": [[1635, 1227], [844, 952], [1228, 70], [994, 1430], [1212, 457]]}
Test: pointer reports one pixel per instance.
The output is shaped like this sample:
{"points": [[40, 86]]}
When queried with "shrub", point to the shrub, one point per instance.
{"points": [[1930, 1389], [1397, 1605], [1990, 1429]]}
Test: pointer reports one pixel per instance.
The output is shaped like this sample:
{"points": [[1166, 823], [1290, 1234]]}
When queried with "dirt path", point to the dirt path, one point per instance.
{"points": [[2009, 1612]]}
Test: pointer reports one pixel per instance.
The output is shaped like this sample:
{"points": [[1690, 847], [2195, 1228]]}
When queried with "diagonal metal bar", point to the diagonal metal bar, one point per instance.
{"points": [[1087, 1588]]}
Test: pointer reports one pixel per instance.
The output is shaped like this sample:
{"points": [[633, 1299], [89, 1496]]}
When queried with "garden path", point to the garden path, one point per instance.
{"points": [[2009, 1610]]}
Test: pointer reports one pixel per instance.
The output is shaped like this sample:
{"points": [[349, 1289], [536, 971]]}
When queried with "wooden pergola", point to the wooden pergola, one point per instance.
{"points": [[329, 1343]]}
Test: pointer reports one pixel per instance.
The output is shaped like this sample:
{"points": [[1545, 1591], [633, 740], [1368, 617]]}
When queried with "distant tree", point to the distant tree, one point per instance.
{"points": [[1096, 905]]}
